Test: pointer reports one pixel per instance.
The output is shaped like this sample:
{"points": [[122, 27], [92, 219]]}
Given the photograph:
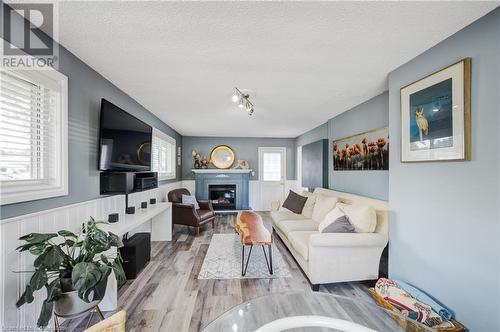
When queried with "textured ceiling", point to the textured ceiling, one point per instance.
{"points": [[306, 61]]}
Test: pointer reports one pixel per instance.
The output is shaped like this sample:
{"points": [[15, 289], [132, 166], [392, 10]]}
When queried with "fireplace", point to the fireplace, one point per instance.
{"points": [[232, 179], [222, 196]]}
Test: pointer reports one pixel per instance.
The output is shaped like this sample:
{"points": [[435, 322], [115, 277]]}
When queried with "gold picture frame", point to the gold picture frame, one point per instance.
{"points": [[222, 157], [435, 116]]}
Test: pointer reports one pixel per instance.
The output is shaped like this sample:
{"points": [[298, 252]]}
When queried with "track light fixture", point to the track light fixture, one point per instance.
{"points": [[242, 98]]}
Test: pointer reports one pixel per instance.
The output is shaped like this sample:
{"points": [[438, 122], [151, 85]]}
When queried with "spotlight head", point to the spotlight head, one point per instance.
{"points": [[241, 97]]}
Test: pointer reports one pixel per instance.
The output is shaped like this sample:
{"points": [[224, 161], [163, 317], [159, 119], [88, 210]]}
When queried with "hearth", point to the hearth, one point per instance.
{"points": [[222, 196]]}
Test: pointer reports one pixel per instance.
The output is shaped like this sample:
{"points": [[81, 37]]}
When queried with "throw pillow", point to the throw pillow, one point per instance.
{"points": [[190, 200], [335, 222], [323, 205], [362, 217], [307, 211], [294, 202]]}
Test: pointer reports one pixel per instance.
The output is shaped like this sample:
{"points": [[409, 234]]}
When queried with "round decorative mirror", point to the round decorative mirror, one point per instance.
{"points": [[222, 156], [144, 153]]}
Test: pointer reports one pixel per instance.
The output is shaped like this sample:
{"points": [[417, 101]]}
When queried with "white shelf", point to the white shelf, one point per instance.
{"points": [[127, 222], [216, 170]]}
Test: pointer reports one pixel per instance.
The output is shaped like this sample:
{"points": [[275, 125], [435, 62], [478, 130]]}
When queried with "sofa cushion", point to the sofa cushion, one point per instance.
{"points": [[323, 205], [300, 242], [288, 226], [307, 211], [335, 222], [283, 214], [294, 202], [362, 217]]}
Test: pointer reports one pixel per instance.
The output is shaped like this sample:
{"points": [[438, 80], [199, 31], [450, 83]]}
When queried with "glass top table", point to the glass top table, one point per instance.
{"points": [[252, 315]]}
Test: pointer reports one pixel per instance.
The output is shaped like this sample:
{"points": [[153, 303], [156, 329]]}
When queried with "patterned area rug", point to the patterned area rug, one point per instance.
{"points": [[223, 260]]}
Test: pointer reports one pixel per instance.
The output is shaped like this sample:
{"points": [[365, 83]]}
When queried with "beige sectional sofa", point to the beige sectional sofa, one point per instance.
{"points": [[333, 257]]}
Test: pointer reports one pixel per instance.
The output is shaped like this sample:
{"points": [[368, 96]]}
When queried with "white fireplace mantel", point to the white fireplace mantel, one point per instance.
{"points": [[216, 170]]}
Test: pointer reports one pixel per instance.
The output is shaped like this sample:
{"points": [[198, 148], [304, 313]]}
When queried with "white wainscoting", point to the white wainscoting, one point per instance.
{"points": [[68, 217], [189, 185], [253, 191]]}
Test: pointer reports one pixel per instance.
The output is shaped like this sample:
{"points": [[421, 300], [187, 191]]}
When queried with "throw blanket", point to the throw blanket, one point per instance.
{"points": [[405, 303], [422, 297]]}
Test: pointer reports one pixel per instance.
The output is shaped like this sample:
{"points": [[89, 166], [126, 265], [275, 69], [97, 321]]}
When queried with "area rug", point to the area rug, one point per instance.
{"points": [[223, 260]]}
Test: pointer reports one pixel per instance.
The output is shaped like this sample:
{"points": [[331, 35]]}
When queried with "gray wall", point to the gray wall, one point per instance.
{"points": [[445, 218], [244, 147], [86, 88], [372, 114], [313, 135]]}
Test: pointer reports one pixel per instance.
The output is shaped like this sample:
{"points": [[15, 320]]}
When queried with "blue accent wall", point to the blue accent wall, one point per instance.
{"points": [[315, 165], [372, 114], [86, 88], [445, 217], [244, 147]]}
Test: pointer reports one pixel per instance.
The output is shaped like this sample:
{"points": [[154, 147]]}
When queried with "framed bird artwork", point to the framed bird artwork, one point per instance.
{"points": [[435, 116]]}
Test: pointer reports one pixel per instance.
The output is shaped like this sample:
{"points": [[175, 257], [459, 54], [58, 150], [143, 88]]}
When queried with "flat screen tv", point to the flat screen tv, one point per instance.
{"points": [[124, 141]]}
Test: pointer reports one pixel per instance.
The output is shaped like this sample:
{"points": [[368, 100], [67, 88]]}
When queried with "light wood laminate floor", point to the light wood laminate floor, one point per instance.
{"points": [[167, 296]]}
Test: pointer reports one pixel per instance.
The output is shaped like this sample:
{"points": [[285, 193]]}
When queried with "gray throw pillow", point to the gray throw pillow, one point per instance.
{"points": [[190, 200], [294, 202], [340, 225]]}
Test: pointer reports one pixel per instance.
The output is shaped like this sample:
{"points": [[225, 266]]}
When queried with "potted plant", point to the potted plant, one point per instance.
{"points": [[74, 269]]}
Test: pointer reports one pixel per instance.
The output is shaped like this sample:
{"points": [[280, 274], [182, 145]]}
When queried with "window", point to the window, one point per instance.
{"points": [[33, 135], [163, 155], [272, 166]]}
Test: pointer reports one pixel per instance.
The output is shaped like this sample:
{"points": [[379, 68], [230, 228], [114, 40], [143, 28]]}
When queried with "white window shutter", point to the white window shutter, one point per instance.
{"points": [[33, 135], [163, 155]]}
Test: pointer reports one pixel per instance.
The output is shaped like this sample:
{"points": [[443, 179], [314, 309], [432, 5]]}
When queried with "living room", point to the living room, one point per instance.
{"points": [[148, 147]]}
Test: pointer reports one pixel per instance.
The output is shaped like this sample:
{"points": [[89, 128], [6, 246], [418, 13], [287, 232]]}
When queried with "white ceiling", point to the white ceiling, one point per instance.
{"points": [[306, 61]]}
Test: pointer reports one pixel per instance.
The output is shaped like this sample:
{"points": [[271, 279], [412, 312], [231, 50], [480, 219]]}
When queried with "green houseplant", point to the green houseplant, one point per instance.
{"points": [[67, 262]]}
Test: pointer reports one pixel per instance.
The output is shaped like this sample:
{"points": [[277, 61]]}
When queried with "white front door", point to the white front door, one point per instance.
{"points": [[272, 175]]}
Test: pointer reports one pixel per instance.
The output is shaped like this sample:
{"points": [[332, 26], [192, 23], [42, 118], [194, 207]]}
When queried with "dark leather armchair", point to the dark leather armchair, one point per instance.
{"points": [[184, 214]]}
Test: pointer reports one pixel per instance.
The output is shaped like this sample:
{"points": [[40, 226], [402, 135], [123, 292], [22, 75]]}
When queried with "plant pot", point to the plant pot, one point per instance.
{"points": [[70, 305]]}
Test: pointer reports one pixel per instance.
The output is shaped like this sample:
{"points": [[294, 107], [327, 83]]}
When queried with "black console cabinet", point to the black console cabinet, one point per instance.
{"points": [[116, 183], [127, 182]]}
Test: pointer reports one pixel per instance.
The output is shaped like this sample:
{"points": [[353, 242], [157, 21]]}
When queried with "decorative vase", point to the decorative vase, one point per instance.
{"points": [[196, 164]]}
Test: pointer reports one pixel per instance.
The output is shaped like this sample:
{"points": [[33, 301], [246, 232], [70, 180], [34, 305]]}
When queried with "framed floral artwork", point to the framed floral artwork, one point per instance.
{"points": [[367, 151]]}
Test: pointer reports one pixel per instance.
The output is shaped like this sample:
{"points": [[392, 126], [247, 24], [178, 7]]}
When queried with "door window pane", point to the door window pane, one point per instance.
{"points": [[271, 166]]}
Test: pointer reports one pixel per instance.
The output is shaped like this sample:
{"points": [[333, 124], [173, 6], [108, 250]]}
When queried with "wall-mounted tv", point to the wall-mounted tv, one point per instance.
{"points": [[124, 141]]}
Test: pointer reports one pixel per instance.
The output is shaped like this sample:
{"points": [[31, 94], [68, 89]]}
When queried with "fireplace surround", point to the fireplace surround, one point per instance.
{"points": [[221, 178]]}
